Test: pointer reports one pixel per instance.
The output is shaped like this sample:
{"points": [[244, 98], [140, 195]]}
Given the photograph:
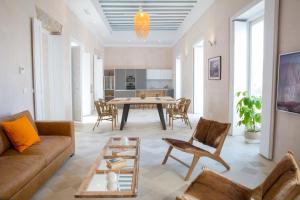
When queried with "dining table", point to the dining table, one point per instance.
{"points": [[127, 102]]}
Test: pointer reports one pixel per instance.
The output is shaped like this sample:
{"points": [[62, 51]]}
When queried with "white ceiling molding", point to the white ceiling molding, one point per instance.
{"points": [[112, 20]]}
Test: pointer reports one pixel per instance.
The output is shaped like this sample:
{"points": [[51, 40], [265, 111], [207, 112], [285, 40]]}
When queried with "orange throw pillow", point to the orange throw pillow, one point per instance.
{"points": [[21, 133]]}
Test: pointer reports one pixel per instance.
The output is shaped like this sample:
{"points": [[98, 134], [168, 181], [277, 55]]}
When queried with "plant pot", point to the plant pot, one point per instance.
{"points": [[252, 137]]}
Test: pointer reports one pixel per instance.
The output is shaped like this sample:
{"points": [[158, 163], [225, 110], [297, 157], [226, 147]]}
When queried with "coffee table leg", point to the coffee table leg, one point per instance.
{"points": [[161, 116], [124, 115]]}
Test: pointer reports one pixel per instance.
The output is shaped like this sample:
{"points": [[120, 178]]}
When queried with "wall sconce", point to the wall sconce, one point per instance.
{"points": [[186, 51], [212, 43]]}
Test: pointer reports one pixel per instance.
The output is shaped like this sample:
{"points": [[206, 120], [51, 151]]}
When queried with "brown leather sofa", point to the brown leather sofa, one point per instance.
{"points": [[21, 174]]}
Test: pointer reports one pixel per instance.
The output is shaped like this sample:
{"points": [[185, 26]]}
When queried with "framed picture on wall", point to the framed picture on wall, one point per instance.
{"points": [[214, 68], [288, 86]]}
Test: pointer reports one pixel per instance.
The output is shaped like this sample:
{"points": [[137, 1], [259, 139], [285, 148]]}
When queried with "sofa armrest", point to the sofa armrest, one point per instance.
{"points": [[63, 128]]}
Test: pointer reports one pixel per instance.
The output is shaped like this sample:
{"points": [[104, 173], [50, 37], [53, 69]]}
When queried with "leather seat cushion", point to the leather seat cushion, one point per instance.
{"points": [[49, 147], [16, 171], [206, 192], [183, 145]]}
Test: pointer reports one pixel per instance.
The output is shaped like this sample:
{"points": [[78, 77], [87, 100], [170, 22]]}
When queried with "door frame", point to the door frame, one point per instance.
{"points": [[38, 84], [194, 46]]}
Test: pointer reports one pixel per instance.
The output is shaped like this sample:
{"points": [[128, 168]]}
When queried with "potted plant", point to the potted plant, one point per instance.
{"points": [[249, 111]]}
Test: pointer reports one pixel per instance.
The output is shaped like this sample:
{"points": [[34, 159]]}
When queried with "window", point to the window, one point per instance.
{"points": [[256, 29]]}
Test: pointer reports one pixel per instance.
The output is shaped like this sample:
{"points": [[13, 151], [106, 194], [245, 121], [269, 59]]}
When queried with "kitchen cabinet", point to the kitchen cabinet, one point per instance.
{"points": [[120, 79], [159, 74], [140, 80]]}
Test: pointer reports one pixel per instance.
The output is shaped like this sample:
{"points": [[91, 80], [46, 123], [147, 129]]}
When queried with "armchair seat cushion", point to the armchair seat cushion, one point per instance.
{"points": [[211, 186], [17, 170], [183, 145], [49, 147]]}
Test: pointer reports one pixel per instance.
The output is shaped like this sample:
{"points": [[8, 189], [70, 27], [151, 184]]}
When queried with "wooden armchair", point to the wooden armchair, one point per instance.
{"points": [[283, 183], [105, 112], [208, 132]]}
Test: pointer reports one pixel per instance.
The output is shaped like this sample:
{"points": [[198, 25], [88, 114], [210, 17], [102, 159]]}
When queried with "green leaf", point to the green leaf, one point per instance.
{"points": [[257, 117], [258, 104]]}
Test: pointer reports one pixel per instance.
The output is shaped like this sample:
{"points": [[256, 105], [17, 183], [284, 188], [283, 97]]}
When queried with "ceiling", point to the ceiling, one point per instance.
{"points": [[165, 14], [112, 20]]}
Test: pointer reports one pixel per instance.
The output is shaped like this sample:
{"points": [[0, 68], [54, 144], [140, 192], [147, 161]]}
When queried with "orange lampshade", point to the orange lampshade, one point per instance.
{"points": [[142, 24]]}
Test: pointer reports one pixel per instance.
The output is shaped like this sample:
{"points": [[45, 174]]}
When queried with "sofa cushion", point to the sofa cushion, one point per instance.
{"points": [[49, 147], [18, 170], [4, 142], [29, 117], [21, 133]]}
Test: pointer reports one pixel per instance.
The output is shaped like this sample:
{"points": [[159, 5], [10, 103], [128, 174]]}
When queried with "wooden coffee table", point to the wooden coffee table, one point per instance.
{"points": [[94, 184]]}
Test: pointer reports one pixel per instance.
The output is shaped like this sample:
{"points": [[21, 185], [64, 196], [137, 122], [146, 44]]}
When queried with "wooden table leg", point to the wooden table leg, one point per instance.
{"points": [[161, 115], [124, 115]]}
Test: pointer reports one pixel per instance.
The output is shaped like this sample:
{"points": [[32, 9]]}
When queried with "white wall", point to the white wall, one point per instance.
{"points": [[16, 49], [287, 125], [138, 57], [213, 25]]}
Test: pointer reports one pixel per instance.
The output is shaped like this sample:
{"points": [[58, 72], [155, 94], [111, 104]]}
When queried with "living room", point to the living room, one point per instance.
{"points": [[82, 80]]}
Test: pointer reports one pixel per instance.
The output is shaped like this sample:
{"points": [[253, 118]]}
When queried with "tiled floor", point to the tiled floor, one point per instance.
{"points": [[156, 182]]}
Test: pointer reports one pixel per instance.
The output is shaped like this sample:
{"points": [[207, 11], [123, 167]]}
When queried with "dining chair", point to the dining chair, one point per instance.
{"points": [[179, 103], [283, 183], [114, 108], [180, 112], [105, 112], [207, 132]]}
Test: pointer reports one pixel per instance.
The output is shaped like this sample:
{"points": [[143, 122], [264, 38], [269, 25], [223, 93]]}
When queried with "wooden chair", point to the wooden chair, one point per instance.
{"points": [[208, 132], [180, 111], [114, 108], [283, 183], [179, 103], [105, 112]]}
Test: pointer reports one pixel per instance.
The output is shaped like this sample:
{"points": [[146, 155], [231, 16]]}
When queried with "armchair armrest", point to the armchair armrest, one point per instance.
{"points": [[63, 128], [217, 183]]}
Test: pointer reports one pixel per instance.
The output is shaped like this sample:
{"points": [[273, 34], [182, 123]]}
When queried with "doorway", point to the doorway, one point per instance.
{"points": [[198, 79], [76, 81], [49, 76], [178, 78]]}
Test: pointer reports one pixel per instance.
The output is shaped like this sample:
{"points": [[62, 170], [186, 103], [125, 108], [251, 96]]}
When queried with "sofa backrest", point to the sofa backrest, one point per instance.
{"points": [[4, 141]]}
